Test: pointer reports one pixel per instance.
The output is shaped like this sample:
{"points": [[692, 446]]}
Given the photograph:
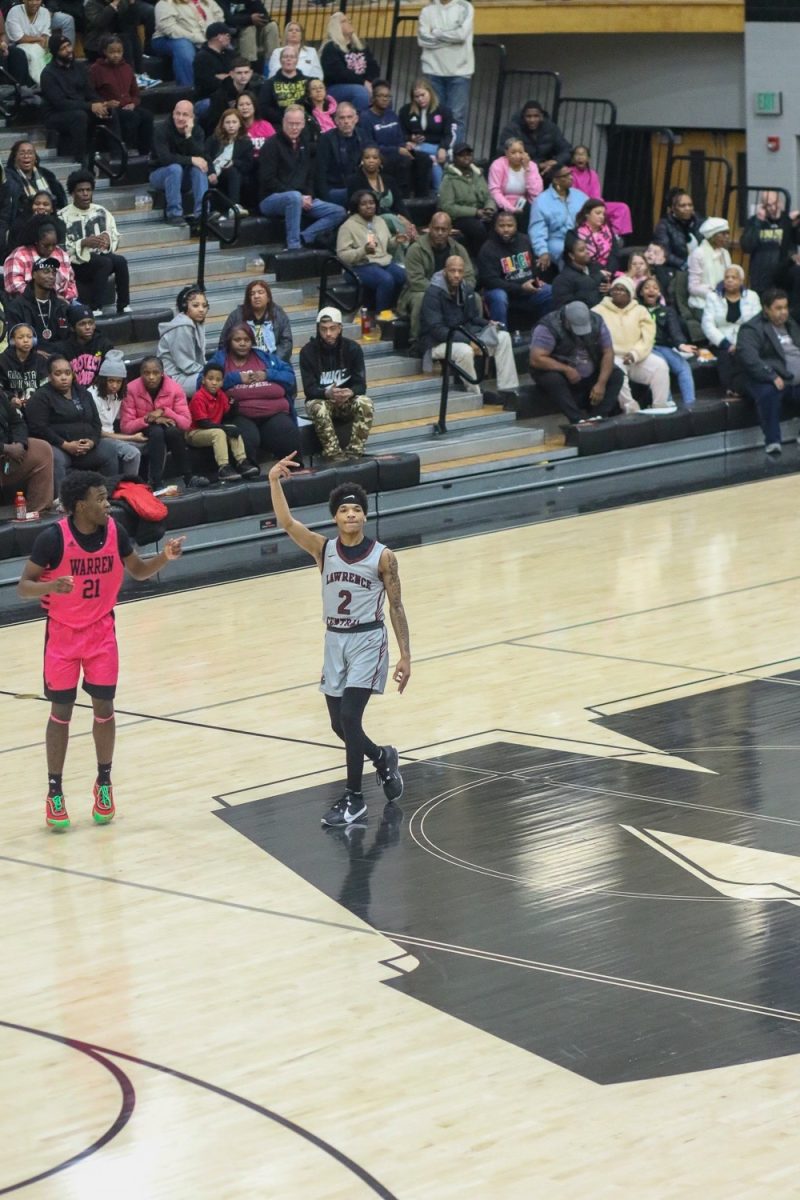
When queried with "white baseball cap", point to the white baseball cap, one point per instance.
{"points": [[329, 314]]}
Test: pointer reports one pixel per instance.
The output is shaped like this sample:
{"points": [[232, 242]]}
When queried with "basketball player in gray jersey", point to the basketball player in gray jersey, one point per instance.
{"points": [[357, 574]]}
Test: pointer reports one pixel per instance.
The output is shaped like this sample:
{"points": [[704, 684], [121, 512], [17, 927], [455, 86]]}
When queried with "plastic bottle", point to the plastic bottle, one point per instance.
{"points": [[366, 324], [20, 507]]}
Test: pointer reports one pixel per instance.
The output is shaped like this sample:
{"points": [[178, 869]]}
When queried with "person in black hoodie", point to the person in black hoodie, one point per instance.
{"points": [[64, 414], [71, 105], [23, 367], [286, 182], [334, 381], [39, 306], [212, 64], [771, 237], [241, 79], [287, 86], [580, 278], [177, 160], [25, 179], [26, 464], [507, 272], [86, 347], [541, 137], [679, 231]]}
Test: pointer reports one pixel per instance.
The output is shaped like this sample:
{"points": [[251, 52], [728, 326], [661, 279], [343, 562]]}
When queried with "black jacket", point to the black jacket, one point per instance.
{"points": [[12, 425], [278, 93], [542, 144], [22, 379], [440, 125], [170, 146], [337, 160], [506, 264], [674, 235], [669, 331], [55, 419], [15, 205], [770, 244], [573, 284], [243, 159], [396, 205], [566, 342], [284, 169], [759, 354], [67, 88], [441, 312], [207, 65], [341, 364], [226, 95], [23, 309]]}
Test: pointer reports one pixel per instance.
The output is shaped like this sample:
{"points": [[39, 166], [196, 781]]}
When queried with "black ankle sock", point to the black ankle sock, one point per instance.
{"points": [[54, 785], [104, 773]]}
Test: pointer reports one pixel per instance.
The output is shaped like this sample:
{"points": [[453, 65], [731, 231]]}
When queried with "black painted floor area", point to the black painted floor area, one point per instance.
{"points": [[547, 904]]}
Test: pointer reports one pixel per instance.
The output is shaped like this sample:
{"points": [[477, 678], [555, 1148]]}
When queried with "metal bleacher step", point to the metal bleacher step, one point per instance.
{"points": [[491, 434]]}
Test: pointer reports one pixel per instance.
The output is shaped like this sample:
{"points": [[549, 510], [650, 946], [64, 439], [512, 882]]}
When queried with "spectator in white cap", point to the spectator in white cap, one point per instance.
{"points": [[108, 390], [335, 381], [709, 261]]}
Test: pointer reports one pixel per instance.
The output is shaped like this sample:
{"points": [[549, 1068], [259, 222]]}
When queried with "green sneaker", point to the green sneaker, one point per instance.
{"points": [[103, 808], [56, 814]]}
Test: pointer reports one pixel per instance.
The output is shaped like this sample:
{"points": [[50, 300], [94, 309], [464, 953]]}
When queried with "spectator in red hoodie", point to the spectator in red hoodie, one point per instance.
{"points": [[115, 83], [210, 409]]}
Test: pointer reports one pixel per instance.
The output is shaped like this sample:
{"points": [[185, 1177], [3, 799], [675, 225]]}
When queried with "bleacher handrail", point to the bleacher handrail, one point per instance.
{"points": [[327, 295], [105, 134], [440, 426], [221, 203]]}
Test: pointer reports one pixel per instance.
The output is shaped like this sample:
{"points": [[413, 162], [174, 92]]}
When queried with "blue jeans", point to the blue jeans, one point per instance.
{"points": [[182, 53], [453, 90], [437, 171], [537, 303], [681, 370], [385, 282], [338, 196], [353, 93], [769, 402], [172, 179], [289, 205]]}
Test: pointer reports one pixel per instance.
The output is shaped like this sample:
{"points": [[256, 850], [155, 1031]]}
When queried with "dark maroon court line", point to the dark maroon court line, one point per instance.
{"points": [[123, 1116], [129, 1099]]}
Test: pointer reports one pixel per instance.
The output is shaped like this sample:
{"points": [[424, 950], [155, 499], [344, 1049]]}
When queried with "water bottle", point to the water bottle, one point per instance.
{"points": [[255, 266], [366, 324], [20, 507]]}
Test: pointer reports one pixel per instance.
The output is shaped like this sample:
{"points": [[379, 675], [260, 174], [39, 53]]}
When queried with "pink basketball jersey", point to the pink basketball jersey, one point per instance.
{"points": [[98, 576]]}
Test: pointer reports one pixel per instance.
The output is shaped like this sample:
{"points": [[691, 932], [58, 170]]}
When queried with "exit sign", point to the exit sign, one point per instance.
{"points": [[769, 104]]}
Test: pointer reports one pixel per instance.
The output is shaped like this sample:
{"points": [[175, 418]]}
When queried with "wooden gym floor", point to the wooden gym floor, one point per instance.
{"points": [[566, 968]]}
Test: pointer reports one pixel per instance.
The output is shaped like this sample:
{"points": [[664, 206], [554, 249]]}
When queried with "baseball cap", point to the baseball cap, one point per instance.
{"points": [[462, 148], [576, 315], [329, 314], [45, 264]]}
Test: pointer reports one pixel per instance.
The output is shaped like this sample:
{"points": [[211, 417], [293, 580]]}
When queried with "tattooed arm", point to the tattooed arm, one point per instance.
{"points": [[390, 575]]}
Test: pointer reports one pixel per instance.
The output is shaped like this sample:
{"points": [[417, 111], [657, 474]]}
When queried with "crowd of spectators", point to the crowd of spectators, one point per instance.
{"points": [[313, 139]]}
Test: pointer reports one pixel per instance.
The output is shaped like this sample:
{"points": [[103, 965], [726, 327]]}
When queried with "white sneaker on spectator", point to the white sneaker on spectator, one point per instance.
{"points": [[774, 448], [669, 407]]}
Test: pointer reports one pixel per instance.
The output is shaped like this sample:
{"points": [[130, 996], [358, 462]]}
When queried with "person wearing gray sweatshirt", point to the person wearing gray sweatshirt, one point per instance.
{"points": [[182, 341]]}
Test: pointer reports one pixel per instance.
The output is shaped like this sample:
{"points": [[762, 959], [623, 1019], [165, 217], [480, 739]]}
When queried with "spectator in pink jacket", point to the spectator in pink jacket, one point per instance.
{"points": [[39, 239], [514, 181], [583, 177], [156, 406]]}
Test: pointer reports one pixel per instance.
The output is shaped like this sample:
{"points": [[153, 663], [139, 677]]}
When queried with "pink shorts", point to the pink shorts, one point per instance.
{"points": [[92, 649]]}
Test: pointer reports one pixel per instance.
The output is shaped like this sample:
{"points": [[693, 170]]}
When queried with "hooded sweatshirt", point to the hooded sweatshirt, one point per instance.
{"points": [[85, 357], [444, 35], [506, 264], [182, 349], [442, 311], [339, 365], [632, 329], [19, 378]]}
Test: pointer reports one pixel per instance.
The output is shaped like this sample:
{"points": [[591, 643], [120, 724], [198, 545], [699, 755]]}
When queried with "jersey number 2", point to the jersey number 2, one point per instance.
{"points": [[91, 589], [344, 607]]}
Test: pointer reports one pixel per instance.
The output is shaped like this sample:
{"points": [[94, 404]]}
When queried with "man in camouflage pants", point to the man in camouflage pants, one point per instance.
{"points": [[335, 382]]}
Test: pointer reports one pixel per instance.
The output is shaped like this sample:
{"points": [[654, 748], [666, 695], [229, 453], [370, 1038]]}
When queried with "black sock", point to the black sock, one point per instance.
{"points": [[355, 793], [53, 785], [103, 773]]}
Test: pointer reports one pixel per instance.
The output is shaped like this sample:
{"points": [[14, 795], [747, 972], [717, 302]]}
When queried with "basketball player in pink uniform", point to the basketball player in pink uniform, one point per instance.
{"points": [[76, 568], [357, 574]]}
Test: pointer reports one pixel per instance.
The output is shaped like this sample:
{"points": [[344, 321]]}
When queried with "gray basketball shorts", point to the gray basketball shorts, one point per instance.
{"points": [[359, 660]]}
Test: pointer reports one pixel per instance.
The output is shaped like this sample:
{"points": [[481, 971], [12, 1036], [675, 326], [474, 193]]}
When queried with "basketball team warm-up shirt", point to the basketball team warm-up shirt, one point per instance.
{"points": [[94, 560], [352, 590]]}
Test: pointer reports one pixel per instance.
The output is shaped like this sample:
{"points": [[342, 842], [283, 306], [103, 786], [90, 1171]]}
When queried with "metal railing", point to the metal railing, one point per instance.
{"points": [[349, 300], [440, 426], [520, 85], [105, 147], [588, 122], [10, 95], [221, 203], [707, 179]]}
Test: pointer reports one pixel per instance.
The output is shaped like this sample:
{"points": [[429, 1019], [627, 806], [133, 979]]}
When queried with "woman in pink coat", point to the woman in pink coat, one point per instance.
{"points": [[156, 406], [514, 181], [583, 177]]}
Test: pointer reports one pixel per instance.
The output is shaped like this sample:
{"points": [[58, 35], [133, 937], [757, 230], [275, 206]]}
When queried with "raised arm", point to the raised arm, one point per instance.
{"points": [[390, 574], [306, 539]]}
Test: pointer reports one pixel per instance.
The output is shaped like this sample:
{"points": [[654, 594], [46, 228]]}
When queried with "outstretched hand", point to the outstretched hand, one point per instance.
{"points": [[284, 467], [174, 548]]}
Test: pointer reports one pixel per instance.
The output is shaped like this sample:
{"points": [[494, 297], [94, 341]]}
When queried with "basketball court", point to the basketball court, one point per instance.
{"points": [[564, 966]]}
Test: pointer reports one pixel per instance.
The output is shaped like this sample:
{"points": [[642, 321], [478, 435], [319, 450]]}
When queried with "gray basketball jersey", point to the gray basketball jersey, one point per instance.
{"points": [[352, 591]]}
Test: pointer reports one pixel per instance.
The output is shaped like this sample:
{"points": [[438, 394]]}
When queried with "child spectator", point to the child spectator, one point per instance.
{"points": [[86, 347], [108, 391], [114, 81], [210, 408]]}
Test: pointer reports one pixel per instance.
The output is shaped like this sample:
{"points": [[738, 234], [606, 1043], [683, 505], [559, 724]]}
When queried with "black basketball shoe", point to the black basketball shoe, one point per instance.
{"points": [[345, 811], [388, 773]]}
